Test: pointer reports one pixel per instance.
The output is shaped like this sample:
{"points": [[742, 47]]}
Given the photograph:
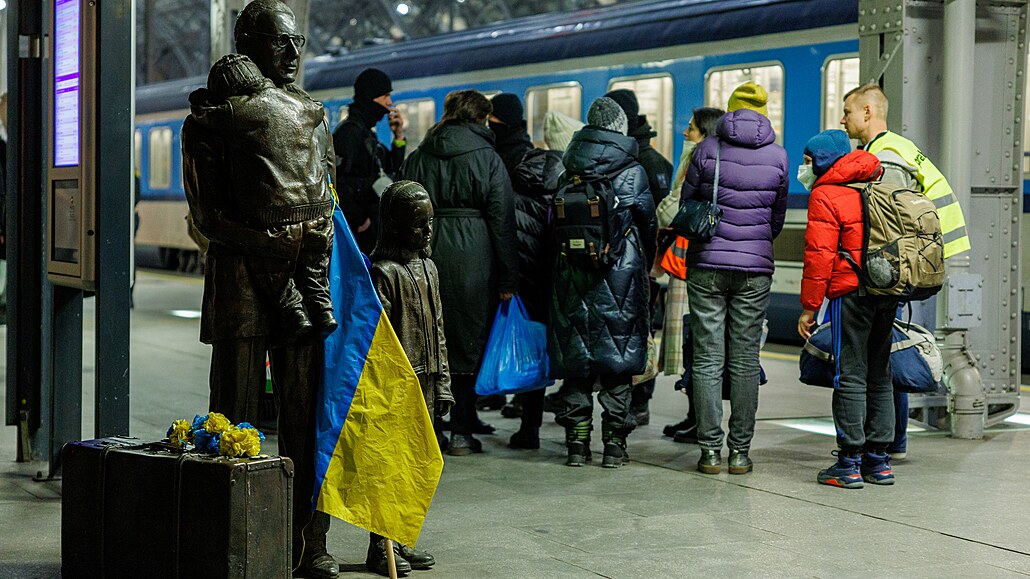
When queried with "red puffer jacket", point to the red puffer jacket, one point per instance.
{"points": [[835, 220]]}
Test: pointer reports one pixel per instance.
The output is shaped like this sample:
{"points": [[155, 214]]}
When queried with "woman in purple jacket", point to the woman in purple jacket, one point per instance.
{"points": [[728, 277]]}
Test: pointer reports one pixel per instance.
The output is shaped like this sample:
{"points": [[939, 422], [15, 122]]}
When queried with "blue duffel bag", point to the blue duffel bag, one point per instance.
{"points": [[916, 363]]}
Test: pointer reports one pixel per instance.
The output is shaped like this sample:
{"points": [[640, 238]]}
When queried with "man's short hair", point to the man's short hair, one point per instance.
{"points": [[469, 106], [252, 13], [871, 94]]}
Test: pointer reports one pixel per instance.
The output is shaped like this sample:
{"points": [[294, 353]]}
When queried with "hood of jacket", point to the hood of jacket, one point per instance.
{"points": [[599, 151], [538, 174], [644, 132], [746, 128], [856, 166], [448, 139]]}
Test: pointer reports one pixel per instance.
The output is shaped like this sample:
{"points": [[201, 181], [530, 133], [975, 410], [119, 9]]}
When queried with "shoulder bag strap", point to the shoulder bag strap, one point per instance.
{"points": [[715, 188]]}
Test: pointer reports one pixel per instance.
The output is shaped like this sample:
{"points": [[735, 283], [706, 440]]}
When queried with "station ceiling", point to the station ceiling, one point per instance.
{"points": [[173, 37]]}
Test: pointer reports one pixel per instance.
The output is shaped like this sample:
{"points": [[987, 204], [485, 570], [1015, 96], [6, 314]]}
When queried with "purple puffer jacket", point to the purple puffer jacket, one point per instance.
{"points": [[752, 193]]}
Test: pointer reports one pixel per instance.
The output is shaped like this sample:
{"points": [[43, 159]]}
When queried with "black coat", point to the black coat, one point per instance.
{"points": [[658, 168], [474, 238], [535, 180], [355, 141], [600, 317]]}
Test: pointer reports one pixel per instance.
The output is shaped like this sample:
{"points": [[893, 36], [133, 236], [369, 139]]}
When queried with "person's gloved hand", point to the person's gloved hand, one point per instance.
{"points": [[443, 407]]}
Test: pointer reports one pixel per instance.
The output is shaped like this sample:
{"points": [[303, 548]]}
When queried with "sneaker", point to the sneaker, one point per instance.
{"points": [[845, 473], [579, 453], [463, 445], [710, 461], [739, 463], [876, 468], [614, 454]]}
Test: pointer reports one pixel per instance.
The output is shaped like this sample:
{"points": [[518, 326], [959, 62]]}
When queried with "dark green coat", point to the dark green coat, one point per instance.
{"points": [[474, 244], [600, 319]]}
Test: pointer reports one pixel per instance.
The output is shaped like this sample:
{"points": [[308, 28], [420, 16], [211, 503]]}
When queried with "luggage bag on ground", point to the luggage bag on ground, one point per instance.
{"points": [[134, 509]]}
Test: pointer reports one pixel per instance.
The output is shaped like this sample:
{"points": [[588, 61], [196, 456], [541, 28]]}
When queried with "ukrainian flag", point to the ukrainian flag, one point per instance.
{"points": [[377, 461]]}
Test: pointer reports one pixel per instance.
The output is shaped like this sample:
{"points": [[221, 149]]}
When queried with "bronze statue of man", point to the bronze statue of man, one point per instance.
{"points": [[257, 165]]}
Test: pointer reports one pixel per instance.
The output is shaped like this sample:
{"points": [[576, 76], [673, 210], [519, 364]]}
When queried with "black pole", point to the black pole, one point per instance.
{"points": [[115, 198]]}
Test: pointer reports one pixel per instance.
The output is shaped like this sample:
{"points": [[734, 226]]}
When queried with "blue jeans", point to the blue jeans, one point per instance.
{"points": [[727, 309]]}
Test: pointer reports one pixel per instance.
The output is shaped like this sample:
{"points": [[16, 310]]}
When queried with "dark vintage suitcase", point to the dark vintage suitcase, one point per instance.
{"points": [[134, 509]]}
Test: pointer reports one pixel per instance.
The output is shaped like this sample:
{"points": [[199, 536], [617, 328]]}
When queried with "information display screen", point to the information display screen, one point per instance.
{"points": [[67, 81]]}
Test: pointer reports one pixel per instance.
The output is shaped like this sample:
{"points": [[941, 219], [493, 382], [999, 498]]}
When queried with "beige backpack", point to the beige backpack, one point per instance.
{"points": [[903, 248]]}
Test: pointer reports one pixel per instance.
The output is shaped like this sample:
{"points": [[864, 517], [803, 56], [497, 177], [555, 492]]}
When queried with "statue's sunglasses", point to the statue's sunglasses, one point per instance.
{"points": [[281, 41]]}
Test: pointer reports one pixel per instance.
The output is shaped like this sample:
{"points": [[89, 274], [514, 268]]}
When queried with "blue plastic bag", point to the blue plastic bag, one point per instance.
{"points": [[516, 353]]}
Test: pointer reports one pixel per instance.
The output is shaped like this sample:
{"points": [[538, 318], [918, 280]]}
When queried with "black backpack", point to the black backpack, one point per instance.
{"points": [[584, 227]]}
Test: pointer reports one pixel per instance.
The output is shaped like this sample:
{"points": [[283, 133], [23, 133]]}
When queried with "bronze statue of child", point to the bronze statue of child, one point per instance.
{"points": [[241, 100], [409, 288]]}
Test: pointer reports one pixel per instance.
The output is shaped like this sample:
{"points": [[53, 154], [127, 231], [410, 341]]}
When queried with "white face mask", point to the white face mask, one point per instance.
{"points": [[806, 176]]}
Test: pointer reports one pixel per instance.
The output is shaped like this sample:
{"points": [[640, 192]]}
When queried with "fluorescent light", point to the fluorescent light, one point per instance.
{"points": [[188, 314], [402, 8]]}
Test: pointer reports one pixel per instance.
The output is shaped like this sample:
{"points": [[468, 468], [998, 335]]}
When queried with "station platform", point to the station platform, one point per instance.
{"points": [[958, 509]]}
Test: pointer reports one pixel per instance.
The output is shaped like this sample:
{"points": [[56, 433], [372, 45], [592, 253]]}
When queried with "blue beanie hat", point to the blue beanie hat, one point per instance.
{"points": [[826, 148]]}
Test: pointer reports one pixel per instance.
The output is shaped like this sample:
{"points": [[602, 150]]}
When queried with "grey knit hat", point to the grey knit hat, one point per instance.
{"points": [[605, 113], [558, 129]]}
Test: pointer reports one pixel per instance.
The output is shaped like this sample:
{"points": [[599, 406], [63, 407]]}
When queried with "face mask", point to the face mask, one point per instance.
{"points": [[806, 176]]}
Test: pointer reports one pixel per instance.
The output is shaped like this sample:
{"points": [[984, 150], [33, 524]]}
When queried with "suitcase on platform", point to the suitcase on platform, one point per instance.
{"points": [[134, 509]]}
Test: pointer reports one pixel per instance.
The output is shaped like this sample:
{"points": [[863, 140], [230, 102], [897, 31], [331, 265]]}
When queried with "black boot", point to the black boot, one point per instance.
{"points": [[376, 561], [527, 438], [614, 447], [419, 559], [577, 439], [670, 430]]}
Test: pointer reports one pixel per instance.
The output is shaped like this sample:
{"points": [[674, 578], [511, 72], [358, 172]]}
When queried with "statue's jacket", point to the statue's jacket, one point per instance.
{"points": [[251, 163]]}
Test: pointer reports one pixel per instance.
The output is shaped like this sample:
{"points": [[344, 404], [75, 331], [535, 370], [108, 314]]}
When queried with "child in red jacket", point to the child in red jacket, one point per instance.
{"points": [[863, 404]]}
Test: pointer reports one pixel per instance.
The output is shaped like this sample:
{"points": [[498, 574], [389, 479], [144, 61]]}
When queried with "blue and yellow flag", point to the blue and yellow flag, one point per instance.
{"points": [[377, 461]]}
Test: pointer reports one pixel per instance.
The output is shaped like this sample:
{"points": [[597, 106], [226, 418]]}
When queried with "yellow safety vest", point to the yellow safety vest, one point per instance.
{"points": [[935, 187]]}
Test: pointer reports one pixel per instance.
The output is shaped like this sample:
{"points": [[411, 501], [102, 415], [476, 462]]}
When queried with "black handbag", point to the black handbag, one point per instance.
{"points": [[697, 220]]}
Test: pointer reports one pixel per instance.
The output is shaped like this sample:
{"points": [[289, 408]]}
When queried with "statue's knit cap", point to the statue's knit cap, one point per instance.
{"points": [[605, 113], [749, 96], [371, 84]]}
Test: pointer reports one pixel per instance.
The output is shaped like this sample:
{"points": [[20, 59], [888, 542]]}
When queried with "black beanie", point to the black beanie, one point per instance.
{"points": [[371, 84], [627, 99], [507, 108]]}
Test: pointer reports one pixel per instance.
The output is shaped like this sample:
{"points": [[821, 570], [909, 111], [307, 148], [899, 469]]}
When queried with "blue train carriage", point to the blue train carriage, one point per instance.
{"points": [[676, 54]]}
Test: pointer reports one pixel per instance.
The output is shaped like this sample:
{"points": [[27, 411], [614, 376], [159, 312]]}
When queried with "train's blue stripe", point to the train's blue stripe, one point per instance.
{"points": [[544, 38]]}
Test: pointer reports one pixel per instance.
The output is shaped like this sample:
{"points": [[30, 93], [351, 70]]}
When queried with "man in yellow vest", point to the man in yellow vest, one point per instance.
{"points": [[865, 119]]}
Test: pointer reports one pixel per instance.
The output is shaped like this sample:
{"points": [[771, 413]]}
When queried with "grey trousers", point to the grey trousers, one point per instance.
{"points": [[578, 402], [863, 395], [727, 309]]}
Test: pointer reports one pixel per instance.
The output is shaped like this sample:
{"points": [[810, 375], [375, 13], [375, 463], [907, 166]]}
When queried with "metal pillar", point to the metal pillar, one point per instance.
{"points": [[983, 45], [115, 193], [28, 303]]}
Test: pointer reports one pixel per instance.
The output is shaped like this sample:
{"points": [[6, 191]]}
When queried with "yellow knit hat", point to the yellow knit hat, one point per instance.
{"points": [[749, 96]]}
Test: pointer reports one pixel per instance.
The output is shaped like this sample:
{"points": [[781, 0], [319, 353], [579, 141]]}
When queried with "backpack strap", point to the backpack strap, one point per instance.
{"points": [[861, 187], [715, 185]]}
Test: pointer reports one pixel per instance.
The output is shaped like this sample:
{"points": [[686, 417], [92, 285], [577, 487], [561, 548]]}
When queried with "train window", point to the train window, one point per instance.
{"points": [[419, 115], [160, 141], [840, 74], [566, 98], [720, 82], [137, 149], [654, 94]]}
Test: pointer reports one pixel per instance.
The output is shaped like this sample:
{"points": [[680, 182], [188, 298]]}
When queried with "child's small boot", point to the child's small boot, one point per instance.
{"points": [[577, 439], [614, 447]]}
